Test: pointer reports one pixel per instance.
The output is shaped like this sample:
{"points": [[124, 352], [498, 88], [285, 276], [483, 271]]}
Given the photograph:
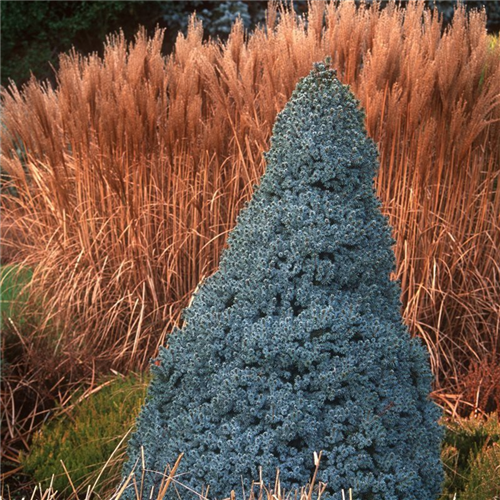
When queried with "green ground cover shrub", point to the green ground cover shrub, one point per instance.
{"points": [[85, 437], [471, 454], [296, 345]]}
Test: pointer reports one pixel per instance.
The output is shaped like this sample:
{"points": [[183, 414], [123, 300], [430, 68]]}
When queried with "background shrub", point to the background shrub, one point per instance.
{"points": [[85, 436], [217, 17], [34, 32]]}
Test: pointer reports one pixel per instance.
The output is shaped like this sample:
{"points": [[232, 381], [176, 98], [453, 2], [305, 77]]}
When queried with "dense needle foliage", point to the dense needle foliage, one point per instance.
{"points": [[296, 344]]}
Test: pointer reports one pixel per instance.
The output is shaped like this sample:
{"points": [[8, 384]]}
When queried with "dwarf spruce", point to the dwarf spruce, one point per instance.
{"points": [[296, 344]]}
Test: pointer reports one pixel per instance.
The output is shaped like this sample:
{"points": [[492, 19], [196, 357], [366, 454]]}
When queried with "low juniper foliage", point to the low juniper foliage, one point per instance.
{"points": [[296, 344]]}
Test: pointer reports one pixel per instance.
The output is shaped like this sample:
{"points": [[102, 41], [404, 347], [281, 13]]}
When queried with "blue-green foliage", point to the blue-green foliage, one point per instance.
{"points": [[218, 20], [217, 16], [296, 344]]}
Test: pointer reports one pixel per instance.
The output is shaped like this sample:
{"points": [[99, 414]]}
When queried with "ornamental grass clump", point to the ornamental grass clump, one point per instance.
{"points": [[296, 344]]}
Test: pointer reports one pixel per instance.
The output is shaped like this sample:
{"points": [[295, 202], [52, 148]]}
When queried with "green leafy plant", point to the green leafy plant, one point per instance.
{"points": [[85, 438]]}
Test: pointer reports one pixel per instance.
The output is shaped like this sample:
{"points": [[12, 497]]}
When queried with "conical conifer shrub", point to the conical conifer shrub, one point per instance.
{"points": [[296, 344]]}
